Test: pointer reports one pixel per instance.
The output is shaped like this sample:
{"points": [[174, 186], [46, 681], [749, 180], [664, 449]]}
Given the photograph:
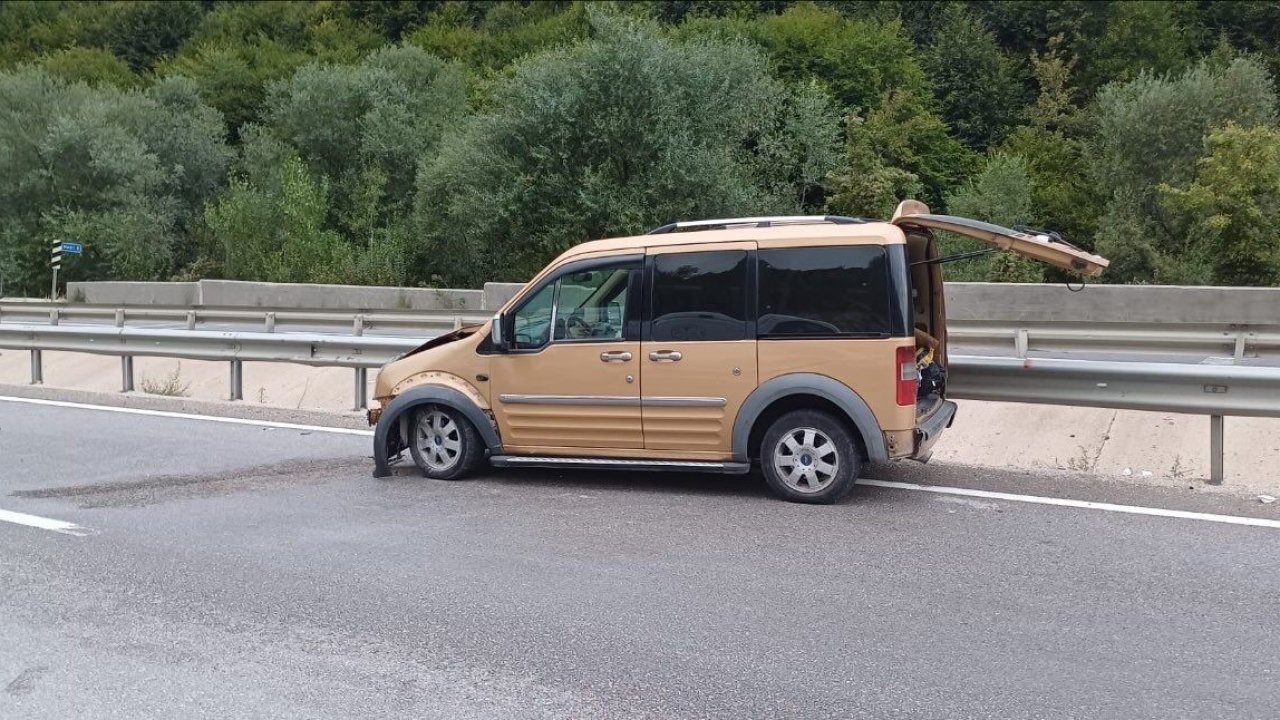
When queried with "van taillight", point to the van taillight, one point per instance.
{"points": [[908, 378]]}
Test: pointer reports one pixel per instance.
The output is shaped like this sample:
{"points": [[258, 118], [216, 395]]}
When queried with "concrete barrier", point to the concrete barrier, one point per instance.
{"points": [[497, 294], [965, 301], [234, 293], [1111, 303], [181, 294]]}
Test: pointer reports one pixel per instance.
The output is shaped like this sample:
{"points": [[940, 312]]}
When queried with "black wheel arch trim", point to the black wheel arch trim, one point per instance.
{"points": [[427, 394], [831, 389]]}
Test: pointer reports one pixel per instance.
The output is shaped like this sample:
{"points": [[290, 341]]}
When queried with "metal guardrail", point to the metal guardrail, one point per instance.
{"points": [[1232, 340], [269, 319], [1214, 390]]}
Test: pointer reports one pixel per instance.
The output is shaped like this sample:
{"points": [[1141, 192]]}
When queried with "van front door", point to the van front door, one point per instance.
{"points": [[699, 348], [572, 377]]}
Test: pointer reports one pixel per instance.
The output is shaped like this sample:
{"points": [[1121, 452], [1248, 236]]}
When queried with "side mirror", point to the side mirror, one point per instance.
{"points": [[501, 342]]}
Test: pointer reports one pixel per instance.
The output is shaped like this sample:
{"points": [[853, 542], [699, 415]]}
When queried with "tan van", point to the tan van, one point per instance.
{"points": [[808, 345]]}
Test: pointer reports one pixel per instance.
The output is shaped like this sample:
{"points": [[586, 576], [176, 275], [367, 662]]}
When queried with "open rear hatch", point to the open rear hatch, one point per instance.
{"points": [[1047, 248]]}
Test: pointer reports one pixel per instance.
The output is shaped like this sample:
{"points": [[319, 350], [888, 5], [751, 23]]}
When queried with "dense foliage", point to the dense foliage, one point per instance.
{"points": [[449, 143]]}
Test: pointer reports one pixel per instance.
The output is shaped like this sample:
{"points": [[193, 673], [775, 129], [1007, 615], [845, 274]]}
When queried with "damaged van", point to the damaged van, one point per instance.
{"points": [[806, 346]]}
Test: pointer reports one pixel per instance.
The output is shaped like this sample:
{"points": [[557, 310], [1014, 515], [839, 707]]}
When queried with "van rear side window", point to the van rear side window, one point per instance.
{"points": [[825, 292], [700, 296]]}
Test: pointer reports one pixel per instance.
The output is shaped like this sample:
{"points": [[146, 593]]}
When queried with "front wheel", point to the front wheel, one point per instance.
{"points": [[809, 456], [444, 444]]}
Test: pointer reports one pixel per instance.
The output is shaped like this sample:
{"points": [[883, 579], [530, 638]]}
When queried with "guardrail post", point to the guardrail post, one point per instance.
{"points": [[1020, 342], [119, 317], [191, 319], [37, 368], [1216, 432], [271, 322], [54, 315], [237, 380], [126, 373], [362, 374], [362, 388]]}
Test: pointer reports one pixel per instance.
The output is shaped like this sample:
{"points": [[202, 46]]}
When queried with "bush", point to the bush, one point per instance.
{"points": [[1150, 132], [122, 172]]}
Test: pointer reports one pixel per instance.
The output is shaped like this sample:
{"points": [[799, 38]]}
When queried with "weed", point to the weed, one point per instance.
{"points": [[1081, 462], [170, 385]]}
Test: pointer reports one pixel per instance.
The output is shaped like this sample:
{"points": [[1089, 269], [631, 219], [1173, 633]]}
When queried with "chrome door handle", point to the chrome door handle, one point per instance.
{"points": [[669, 355], [615, 356]]}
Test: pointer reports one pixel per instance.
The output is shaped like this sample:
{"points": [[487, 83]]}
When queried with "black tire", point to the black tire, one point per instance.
{"points": [[449, 449], [824, 458]]}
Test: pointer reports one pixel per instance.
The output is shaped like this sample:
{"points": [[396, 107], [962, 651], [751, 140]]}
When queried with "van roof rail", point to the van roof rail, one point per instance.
{"points": [[756, 221]]}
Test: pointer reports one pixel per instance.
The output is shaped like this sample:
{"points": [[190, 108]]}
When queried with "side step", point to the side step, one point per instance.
{"points": [[728, 468]]}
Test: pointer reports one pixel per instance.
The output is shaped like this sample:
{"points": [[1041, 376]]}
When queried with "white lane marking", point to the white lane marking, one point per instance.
{"points": [[1083, 504], [189, 416], [43, 523]]}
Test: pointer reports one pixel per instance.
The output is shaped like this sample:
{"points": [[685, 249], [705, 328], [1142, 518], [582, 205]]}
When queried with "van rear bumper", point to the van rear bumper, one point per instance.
{"points": [[931, 429]]}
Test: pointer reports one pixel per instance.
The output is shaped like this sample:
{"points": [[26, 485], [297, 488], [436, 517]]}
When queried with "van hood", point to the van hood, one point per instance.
{"points": [[454, 336]]}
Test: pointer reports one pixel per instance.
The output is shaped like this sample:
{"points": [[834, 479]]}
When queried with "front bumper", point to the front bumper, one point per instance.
{"points": [[931, 429]]}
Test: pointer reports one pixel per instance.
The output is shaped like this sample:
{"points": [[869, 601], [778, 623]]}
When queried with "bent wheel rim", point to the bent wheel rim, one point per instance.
{"points": [[806, 460], [439, 440]]}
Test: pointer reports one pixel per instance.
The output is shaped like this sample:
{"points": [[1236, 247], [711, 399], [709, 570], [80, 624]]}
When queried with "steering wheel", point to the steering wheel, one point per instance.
{"points": [[577, 327]]}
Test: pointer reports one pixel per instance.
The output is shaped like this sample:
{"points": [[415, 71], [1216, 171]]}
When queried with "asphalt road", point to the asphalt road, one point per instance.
{"points": [[235, 572]]}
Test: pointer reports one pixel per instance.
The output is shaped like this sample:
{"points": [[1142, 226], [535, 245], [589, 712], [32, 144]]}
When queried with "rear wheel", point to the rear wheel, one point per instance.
{"points": [[810, 456], [444, 444]]}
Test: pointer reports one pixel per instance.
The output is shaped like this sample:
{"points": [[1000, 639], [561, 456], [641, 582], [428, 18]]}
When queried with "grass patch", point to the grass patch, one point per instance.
{"points": [[170, 385]]}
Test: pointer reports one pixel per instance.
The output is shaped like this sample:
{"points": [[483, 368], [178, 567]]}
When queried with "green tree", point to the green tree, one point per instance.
{"points": [[1232, 207], [491, 41], [94, 66], [277, 232], [979, 88], [1063, 195], [1001, 193], [898, 147], [233, 76], [1141, 35], [121, 171], [366, 127], [143, 31], [859, 60], [614, 136], [1150, 131]]}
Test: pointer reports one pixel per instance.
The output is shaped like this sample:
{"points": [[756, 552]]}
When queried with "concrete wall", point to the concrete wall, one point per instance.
{"points": [[233, 293], [1110, 303], [134, 293], [965, 301]]}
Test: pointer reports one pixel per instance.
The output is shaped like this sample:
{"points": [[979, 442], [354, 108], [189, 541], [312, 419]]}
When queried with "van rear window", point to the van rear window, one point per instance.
{"points": [[825, 291]]}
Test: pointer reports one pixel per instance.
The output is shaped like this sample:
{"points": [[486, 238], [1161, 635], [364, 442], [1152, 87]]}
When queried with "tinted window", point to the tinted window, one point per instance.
{"points": [[700, 296], [818, 291]]}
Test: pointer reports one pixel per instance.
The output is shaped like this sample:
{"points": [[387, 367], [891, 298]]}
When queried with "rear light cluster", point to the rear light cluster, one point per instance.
{"points": [[908, 378]]}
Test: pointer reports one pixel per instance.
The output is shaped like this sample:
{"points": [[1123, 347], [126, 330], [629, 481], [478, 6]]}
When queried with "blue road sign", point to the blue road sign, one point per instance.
{"points": [[72, 248]]}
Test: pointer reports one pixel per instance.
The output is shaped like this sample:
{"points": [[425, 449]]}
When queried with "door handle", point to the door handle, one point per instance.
{"points": [[615, 356], [665, 355]]}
